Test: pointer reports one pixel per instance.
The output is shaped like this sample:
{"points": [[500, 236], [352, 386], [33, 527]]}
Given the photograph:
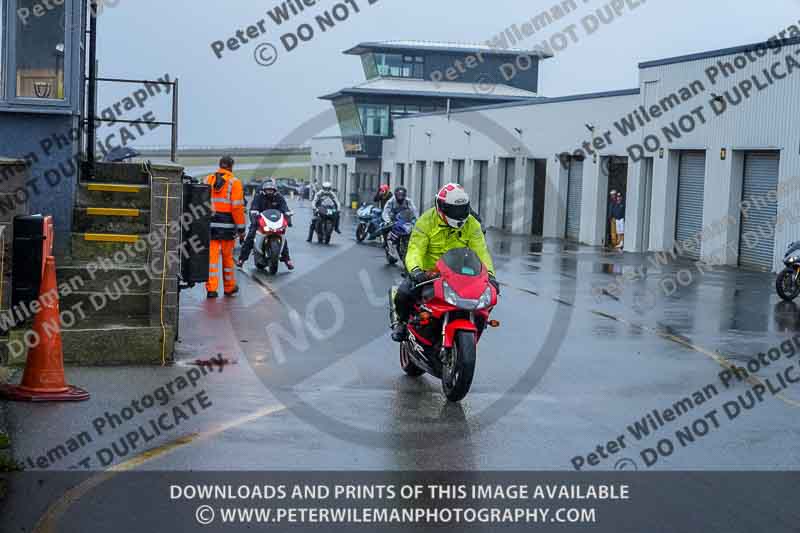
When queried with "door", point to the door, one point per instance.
{"points": [[421, 181], [689, 216], [617, 171], [482, 182], [759, 187], [438, 175], [539, 168], [646, 199], [574, 198], [458, 171], [508, 168]]}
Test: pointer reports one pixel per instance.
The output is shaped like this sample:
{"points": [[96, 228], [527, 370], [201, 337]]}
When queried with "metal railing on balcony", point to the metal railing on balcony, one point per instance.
{"points": [[91, 137]]}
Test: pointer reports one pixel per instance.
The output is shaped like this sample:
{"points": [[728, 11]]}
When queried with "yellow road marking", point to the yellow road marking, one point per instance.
{"points": [[50, 519], [114, 187], [110, 237], [716, 356], [112, 212]]}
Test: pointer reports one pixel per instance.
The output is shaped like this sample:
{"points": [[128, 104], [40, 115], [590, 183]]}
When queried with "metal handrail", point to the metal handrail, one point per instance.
{"points": [[173, 123]]}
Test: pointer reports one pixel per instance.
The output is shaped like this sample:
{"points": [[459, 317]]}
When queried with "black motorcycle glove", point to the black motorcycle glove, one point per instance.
{"points": [[418, 276], [494, 283]]}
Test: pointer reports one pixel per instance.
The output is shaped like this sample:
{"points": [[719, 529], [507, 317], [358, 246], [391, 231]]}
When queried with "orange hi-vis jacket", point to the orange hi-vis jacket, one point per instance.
{"points": [[227, 201]]}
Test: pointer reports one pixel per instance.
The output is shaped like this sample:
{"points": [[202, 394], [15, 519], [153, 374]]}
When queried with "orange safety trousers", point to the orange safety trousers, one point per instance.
{"points": [[228, 265]]}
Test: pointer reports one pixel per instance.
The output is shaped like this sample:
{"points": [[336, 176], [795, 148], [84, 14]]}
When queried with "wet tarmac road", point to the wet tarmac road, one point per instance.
{"points": [[317, 384]]}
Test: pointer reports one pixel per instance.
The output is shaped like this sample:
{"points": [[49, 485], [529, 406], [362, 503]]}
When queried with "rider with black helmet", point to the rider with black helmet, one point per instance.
{"points": [[267, 197], [398, 203]]}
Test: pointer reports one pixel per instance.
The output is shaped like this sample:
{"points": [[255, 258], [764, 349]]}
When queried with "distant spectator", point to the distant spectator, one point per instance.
{"points": [[619, 215], [611, 226]]}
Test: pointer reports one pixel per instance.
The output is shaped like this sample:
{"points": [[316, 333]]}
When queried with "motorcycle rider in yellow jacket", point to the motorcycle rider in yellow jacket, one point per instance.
{"points": [[447, 225]]}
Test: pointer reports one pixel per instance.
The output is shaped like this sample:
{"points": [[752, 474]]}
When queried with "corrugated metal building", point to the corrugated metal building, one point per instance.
{"points": [[706, 152]]}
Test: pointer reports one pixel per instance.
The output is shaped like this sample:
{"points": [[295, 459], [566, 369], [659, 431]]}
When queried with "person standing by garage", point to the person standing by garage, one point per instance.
{"points": [[619, 215], [611, 225], [228, 221]]}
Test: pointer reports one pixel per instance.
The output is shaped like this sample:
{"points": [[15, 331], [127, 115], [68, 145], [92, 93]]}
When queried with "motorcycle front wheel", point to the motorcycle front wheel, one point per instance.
{"points": [[406, 363], [320, 232], [785, 286], [361, 232], [389, 259], [459, 371], [274, 253]]}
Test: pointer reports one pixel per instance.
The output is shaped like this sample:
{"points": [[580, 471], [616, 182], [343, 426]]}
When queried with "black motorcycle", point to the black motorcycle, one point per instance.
{"points": [[788, 282], [326, 222]]}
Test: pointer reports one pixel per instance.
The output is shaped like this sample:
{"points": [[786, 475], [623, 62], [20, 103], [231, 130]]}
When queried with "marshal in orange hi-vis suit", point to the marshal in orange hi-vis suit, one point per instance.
{"points": [[228, 221]]}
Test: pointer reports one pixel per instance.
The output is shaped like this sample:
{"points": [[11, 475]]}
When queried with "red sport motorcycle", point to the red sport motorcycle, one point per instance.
{"points": [[448, 321]]}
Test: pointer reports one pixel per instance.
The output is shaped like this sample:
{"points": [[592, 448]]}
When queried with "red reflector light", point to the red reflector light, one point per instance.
{"points": [[494, 323]]}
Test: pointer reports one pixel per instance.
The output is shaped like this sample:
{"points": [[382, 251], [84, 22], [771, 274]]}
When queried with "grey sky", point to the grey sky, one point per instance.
{"points": [[234, 101]]}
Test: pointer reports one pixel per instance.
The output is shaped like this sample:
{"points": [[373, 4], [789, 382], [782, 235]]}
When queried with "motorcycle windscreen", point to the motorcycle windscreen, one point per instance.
{"points": [[463, 261], [405, 216], [273, 215], [792, 248]]}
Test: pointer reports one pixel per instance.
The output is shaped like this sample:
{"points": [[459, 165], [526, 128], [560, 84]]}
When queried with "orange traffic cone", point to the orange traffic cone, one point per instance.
{"points": [[43, 380]]}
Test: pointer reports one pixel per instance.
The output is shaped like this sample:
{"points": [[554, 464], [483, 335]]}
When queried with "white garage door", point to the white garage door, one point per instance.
{"points": [[574, 199], [508, 168], [757, 238], [689, 219]]}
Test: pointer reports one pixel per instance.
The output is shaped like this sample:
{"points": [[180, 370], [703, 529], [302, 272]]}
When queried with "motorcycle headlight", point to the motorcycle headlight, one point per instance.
{"points": [[486, 299], [450, 295]]}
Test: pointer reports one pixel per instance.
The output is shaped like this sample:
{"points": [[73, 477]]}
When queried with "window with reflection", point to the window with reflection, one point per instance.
{"points": [[399, 66], [39, 51], [375, 119], [349, 120], [370, 68]]}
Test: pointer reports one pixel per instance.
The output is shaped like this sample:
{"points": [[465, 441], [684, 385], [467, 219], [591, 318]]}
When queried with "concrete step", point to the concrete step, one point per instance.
{"points": [[108, 342], [123, 173], [110, 220], [90, 247], [114, 277], [111, 302], [113, 195], [123, 345]]}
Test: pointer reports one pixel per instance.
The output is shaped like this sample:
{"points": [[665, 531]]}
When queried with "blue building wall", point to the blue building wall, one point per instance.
{"points": [[45, 141], [524, 75], [45, 132]]}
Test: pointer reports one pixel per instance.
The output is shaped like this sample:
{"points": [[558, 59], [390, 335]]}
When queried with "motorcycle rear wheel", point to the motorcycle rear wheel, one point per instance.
{"points": [[785, 286], [457, 377], [407, 364]]}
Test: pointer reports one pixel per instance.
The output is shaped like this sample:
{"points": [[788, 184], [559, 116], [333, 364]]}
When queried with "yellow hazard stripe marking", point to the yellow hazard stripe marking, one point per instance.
{"points": [[110, 237], [112, 212], [114, 187], [48, 523]]}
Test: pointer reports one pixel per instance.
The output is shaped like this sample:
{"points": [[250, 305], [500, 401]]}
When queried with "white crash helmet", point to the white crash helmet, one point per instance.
{"points": [[327, 186], [452, 203]]}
